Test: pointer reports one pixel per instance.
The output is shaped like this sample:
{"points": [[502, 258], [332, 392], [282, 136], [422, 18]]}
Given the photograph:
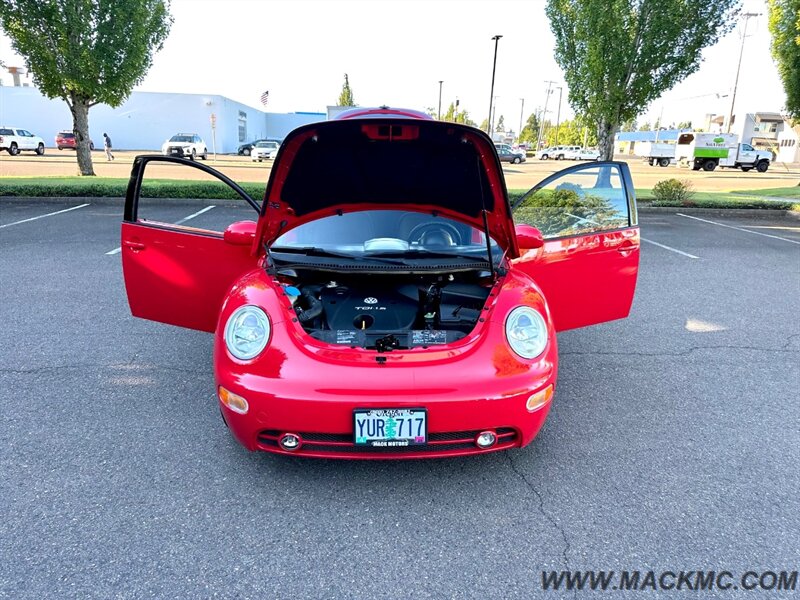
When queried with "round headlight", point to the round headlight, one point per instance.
{"points": [[526, 332], [247, 332]]}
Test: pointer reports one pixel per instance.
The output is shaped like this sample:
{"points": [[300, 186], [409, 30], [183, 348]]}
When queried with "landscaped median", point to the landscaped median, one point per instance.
{"points": [[113, 187], [787, 198]]}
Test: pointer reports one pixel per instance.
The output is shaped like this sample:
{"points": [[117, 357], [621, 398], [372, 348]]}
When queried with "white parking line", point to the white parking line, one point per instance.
{"points": [[183, 220], [774, 237], [58, 212], [681, 252]]}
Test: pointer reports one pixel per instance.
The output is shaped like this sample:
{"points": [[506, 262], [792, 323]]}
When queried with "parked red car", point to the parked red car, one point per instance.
{"points": [[387, 300], [66, 139]]}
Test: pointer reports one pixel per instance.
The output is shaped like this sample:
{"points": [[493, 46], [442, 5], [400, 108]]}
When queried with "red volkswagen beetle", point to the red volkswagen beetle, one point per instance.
{"points": [[387, 300]]}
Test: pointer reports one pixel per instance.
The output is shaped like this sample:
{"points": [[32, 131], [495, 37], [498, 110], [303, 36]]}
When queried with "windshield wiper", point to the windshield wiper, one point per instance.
{"points": [[420, 253], [310, 251]]}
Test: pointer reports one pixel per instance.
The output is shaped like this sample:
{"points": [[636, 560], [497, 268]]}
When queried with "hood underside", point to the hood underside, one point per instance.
{"points": [[395, 163]]}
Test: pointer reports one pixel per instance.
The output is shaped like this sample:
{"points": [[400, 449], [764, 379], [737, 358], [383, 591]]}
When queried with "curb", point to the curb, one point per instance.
{"points": [[759, 213], [118, 201]]}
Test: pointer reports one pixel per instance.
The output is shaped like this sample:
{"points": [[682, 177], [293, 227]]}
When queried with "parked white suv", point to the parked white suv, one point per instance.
{"points": [[581, 154], [14, 140], [185, 145]]}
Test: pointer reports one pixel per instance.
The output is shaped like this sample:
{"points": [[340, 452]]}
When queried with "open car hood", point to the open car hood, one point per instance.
{"points": [[387, 161]]}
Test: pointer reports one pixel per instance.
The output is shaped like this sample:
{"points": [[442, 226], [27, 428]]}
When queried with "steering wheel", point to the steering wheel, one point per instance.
{"points": [[418, 231]]}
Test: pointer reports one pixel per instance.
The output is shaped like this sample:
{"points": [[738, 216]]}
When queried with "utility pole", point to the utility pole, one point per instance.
{"points": [[440, 99], [521, 111], [558, 114], [741, 52], [493, 116], [491, 94], [544, 115]]}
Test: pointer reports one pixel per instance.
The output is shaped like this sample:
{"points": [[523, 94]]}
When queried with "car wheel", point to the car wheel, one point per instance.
{"points": [[246, 151], [516, 160], [762, 166], [663, 162], [709, 165], [13, 149], [204, 156], [746, 169], [544, 157], [193, 155], [91, 145], [40, 149], [560, 157], [60, 147]]}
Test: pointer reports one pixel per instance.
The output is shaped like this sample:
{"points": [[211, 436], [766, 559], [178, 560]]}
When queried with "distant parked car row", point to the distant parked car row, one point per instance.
{"points": [[567, 153], [507, 154], [247, 149]]}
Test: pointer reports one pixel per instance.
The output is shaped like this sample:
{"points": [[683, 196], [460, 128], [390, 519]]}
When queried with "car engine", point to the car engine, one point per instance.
{"points": [[391, 312]]}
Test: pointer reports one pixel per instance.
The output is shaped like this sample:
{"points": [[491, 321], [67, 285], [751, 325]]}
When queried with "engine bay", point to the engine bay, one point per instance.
{"points": [[388, 312]]}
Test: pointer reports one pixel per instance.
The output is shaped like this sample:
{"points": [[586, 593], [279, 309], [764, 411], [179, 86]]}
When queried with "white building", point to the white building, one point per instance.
{"points": [[146, 119], [760, 129], [789, 145]]}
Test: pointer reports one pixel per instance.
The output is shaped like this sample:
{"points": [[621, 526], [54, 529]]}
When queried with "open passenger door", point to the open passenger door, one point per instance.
{"points": [[588, 264], [176, 273]]}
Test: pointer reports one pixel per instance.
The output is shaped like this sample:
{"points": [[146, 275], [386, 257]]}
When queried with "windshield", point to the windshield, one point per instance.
{"points": [[266, 145], [180, 138], [388, 233]]}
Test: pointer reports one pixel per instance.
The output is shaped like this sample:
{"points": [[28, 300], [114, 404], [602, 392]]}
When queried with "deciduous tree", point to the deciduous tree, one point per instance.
{"points": [[784, 25], [86, 52], [530, 132], [346, 95], [620, 55]]}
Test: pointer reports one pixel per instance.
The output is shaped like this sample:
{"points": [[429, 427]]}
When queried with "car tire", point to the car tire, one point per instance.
{"points": [[91, 145], [560, 157], [193, 155], [709, 165], [13, 149], [40, 149], [204, 156], [516, 160], [663, 162], [544, 157], [762, 166], [246, 151], [60, 147]]}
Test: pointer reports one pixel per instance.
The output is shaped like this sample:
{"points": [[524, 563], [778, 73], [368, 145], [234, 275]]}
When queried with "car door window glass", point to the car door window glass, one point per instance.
{"points": [[585, 200]]}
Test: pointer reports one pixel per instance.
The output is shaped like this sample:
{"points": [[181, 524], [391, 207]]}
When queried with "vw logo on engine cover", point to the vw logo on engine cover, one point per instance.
{"points": [[370, 300]]}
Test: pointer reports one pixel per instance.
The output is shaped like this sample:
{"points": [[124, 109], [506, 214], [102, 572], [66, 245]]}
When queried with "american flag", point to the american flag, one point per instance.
{"points": [[265, 97]]}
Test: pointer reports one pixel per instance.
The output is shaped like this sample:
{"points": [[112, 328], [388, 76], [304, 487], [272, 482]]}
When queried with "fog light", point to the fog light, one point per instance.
{"points": [[290, 441], [233, 401], [540, 398], [485, 439]]}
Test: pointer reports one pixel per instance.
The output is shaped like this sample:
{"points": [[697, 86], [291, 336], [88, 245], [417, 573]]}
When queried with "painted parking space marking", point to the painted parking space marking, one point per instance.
{"points": [[183, 220], [774, 237], [58, 212], [671, 249]]}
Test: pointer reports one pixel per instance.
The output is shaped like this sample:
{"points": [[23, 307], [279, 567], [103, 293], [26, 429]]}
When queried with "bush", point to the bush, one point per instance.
{"points": [[673, 191]]}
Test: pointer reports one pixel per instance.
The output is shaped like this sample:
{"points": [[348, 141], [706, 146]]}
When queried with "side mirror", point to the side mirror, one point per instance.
{"points": [[528, 237], [240, 233]]}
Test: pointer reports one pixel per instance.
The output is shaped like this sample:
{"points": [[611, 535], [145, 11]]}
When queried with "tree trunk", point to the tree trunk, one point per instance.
{"points": [[80, 127], [605, 139]]}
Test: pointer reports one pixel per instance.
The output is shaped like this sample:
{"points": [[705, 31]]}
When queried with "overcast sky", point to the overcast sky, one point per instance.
{"points": [[396, 52]]}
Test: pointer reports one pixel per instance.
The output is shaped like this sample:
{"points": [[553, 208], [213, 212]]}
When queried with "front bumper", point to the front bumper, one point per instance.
{"points": [[322, 415]]}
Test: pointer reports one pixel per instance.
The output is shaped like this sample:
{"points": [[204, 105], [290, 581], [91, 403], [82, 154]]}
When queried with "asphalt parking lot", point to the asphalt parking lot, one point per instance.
{"points": [[673, 443]]}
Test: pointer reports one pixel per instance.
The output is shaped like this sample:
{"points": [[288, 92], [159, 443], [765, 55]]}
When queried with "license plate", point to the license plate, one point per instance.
{"points": [[390, 427]]}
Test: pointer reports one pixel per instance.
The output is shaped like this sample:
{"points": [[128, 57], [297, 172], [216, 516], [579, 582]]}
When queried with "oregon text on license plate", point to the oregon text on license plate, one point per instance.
{"points": [[388, 427]]}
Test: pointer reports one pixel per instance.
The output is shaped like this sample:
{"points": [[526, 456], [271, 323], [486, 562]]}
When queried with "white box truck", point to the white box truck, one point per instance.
{"points": [[655, 153], [708, 151]]}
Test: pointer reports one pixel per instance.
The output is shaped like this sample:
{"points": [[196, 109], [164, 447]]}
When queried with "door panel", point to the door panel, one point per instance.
{"points": [[588, 266], [175, 273]]}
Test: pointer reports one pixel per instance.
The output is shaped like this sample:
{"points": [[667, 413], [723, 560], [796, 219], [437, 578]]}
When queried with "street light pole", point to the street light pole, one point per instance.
{"points": [[741, 52], [493, 115], [491, 94], [440, 99], [521, 111], [558, 114]]}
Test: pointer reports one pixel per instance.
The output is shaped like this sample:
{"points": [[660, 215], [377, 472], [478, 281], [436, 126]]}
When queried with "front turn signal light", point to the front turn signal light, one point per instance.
{"points": [[539, 399], [233, 401]]}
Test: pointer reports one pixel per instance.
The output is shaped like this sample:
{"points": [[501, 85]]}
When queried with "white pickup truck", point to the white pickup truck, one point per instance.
{"points": [[708, 151], [655, 153]]}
